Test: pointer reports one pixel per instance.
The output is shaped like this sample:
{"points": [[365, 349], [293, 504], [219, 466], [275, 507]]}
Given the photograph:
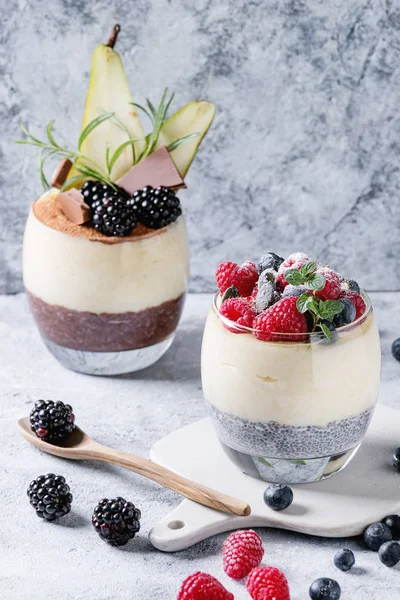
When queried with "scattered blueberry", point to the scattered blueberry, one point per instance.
{"points": [[350, 284], [344, 559], [396, 459], [325, 589], [377, 534], [294, 290], [389, 553], [347, 315], [270, 260], [393, 522], [396, 349], [278, 496]]}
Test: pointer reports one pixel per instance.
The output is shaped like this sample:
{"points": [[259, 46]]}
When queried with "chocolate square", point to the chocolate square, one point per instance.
{"points": [[155, 170]]}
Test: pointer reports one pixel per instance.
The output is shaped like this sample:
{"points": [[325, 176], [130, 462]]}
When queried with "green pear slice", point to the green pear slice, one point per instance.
{"points": [[195, 117], [109, 93]]}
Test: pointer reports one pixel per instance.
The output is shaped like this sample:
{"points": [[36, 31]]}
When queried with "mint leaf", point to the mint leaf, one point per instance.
{"points": [[294, 277], [302, 302], [308, 268], [326, 331], [330, 308], [315, 282]]}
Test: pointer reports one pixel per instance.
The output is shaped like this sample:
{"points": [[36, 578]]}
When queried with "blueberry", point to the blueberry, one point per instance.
{"points": [[344, 559], [325, 589], [347, 315], [396, 349], [270, 260], [350, 284], [393, 522], [396, 459], [377, 534], [294, 290], [278, 496], [389, 553]]}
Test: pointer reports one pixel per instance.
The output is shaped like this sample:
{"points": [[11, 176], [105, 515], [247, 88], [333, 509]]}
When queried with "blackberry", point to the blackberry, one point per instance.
{"points": [[112, 216], [155, 208], [116, 521], [344, 559], [50, 496], [52, 421], [96, 190], [278, 496]]}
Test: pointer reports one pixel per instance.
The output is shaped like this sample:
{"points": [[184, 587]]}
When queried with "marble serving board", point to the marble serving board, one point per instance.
{"points": [[341, 506]]}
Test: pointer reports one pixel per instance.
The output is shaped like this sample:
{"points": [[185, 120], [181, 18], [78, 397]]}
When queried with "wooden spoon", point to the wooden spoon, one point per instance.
{"points": [[79, 446]]}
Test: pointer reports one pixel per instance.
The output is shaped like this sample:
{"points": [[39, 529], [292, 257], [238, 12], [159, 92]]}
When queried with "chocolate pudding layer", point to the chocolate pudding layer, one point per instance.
{"points": [[105, 332]]}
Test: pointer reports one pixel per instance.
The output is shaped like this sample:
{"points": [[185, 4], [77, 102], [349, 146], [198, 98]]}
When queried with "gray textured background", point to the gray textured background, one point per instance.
{"points": [[304, 153]]}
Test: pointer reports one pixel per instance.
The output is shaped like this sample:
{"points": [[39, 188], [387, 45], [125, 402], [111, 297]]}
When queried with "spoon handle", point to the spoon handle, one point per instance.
{"points": [[194, 491]]}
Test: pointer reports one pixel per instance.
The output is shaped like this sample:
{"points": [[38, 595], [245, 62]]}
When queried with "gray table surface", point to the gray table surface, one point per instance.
{"points": [[66, 559]]}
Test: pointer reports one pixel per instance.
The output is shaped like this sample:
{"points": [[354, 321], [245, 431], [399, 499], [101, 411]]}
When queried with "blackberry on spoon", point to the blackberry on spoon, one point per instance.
{"points": [[52, 421]]}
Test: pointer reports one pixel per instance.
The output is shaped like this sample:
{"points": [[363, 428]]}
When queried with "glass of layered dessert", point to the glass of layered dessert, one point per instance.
{"points": [[290, 367], [106, 257]]}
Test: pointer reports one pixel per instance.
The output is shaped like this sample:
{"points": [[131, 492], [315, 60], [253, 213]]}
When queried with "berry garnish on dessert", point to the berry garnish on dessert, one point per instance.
{"points": [[113, 216], [267, 583], [155, 208], [116, 521], [242, 551], [50, 496], [325, 589], [278, 496], [389, 553], [344, 559], [52, 421], [377, 534], [295, 295], [239, 311], [96, 190], [202, 586]]}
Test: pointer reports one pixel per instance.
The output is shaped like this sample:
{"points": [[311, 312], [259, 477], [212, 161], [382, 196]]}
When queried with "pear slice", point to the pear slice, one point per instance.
{"points": [[109, 93], [195, 117]]}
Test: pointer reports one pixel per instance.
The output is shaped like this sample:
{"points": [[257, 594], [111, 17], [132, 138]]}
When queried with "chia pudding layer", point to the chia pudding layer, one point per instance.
{"points": [[275, 440], [105, 332]]}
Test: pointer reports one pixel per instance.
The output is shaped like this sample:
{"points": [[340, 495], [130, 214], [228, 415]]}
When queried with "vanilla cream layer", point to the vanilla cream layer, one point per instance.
{"points": [[294, 384], [84, 275]]}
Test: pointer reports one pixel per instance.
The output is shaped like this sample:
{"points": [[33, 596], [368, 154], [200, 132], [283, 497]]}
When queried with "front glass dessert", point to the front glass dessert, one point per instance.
{"points": [[106, 257], [290, 406]]}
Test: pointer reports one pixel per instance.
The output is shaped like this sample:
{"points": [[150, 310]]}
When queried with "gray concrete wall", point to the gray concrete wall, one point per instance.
{"points": [[304, 152]]}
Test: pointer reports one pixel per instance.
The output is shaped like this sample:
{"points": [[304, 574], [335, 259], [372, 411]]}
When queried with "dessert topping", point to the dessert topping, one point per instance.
{"points": [[240, 311], [267, 583], [155, 208], [242, 551], [270, 260], [331, 289], [202, 586], [356, 299], [243, 277], [96, 190], [113, 216], [283, 317], [231, 292], [158, 169], [74, 207], [61, 173]]}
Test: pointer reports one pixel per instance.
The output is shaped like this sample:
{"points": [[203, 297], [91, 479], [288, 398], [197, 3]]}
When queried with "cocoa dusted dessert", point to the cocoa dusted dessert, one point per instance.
{"points": [[106, 258]]}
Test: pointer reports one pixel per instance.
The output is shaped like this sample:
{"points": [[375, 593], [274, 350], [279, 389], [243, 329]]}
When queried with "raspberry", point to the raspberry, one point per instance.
{"points": [[267, 583], [243, 277], [238, 310], [282, 317], [201, 586], [294, 261], [242, 551], [332, 288], [356, 299]]}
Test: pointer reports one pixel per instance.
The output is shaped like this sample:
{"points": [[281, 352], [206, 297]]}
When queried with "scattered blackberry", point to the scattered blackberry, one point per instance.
{"points": [[377, 534], [344, 559], [396, 459], [50, 496], [96, 190], [389, 553], [52, 421], [325, 589], [396, 349], [112, 216], [278, 496], [155, 208], [116, 521]]}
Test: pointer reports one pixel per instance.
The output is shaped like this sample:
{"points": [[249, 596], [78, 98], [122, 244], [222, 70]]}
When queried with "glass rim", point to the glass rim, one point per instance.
{"points": [[292, 336]]}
